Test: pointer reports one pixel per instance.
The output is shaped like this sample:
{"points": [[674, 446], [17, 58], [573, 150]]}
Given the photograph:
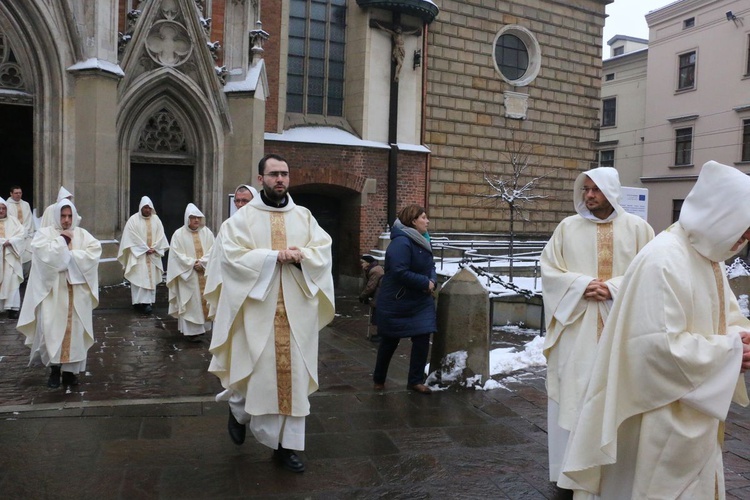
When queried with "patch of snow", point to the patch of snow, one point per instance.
{"points": [[744, 305], [95, 63]]}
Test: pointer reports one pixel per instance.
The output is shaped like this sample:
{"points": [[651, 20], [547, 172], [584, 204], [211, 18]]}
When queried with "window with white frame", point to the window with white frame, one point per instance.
{"points": [[607, 158], [686, 77], [683, 146], [517, 55], [315, 74], [609, 112]]}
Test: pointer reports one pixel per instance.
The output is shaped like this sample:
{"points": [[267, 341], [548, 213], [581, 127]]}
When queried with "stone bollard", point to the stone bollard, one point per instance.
{"points": [[463, 322]]}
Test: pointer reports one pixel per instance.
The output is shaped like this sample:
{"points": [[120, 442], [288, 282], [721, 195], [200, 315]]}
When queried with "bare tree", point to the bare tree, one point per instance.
{"points": [[513, 191]]}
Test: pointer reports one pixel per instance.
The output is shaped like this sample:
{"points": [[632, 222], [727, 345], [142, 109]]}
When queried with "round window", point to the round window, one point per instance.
{"points": [[516, 55]]}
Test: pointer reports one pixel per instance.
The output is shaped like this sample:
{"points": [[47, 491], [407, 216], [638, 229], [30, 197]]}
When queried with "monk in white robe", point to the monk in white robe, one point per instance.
{"points": [[582, 268], [188, 254], [62, 292], [13, 243], [142, 246], [274, 258], [21, 210], [48, 218], [669, 359], [243, 195]]}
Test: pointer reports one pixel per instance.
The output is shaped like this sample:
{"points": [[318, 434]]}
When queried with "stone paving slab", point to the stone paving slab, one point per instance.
{"points": [[144, 424]]}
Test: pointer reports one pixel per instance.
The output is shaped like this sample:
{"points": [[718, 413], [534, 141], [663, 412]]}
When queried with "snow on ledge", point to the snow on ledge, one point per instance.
{"points": [[250, 83], [335, 136], [97, 64]]}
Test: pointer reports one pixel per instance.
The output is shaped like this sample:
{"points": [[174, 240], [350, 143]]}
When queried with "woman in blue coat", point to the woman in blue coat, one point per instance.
{"points": [[405, 306]]}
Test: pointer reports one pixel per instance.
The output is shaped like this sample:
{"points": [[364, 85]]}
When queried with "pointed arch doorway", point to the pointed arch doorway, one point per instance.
{"points": [[162, 167]]}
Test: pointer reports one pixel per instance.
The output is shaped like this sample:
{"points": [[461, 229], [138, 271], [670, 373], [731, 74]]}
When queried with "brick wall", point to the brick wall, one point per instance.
{"points": [[340, 172], [466, 128]]}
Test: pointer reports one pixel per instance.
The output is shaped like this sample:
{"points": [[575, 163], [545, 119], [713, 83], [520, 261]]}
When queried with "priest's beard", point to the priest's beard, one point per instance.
{"points": [[273, 195]]}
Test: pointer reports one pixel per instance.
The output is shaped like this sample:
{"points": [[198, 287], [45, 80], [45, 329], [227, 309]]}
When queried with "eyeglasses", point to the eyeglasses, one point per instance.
{"points": [[241, 201], [277, 174], [592, 189]]}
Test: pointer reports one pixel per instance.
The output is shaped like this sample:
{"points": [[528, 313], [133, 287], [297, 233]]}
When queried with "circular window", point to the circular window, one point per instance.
{"points": [[516, 55]]}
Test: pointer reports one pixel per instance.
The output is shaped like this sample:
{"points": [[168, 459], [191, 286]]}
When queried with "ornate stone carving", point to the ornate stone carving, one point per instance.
{"points": [[123, 38], [11, 75], [162, 134], [168, 43]]}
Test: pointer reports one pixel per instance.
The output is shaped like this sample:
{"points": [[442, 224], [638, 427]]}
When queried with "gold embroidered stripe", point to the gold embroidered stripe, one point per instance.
{"points": [[148, 257], [604, 258], [65, 352], [719, 277], [201, 276], [282, 331], [2, 228]]}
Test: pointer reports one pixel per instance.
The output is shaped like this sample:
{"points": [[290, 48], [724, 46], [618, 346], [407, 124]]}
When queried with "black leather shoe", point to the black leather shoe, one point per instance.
{"points": [[54, 378], [236, 430], [69, 378], [147, 309], [12, 314], [289, 459]]}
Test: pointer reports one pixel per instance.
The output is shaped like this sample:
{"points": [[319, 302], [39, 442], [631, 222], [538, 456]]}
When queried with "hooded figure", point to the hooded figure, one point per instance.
{"points": [[582, 268], [669, 361], [142, 246], [62, 292], [13, 243], [48, 218], [188, 255]]}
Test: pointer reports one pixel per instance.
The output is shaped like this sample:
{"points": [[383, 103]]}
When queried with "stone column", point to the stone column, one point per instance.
{"points": [[463, 321]]}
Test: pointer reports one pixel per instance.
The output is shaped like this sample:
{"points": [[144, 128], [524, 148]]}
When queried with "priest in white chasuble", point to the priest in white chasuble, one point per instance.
{"points": [[62, 292], [242, 196], [21, 210], [582, 268], [13, 243], [276, 295], [188, 253], [142, 246], [670, 358]]}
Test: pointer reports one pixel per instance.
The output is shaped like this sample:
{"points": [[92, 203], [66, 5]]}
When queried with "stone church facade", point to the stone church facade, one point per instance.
{"points": [[375, 104]]}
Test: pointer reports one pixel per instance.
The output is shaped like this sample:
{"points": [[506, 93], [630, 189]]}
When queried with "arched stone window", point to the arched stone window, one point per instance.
{"points": [[11, 76]]}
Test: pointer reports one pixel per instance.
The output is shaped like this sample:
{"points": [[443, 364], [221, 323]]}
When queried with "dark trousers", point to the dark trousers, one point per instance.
{"points": [[420, 347]]}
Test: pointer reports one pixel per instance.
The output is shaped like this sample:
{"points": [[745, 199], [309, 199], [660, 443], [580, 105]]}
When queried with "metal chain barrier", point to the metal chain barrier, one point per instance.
{"points": [[495, 279]]}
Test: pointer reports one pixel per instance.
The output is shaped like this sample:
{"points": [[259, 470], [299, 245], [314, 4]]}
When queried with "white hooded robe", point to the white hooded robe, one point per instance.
{"points": [[581, 249]]}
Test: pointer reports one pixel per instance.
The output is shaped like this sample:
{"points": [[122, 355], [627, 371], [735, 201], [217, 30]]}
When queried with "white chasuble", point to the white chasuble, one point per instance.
{"points": [[268, 315], [11, 267], [63, 290], [186, 284], [141, 233]]}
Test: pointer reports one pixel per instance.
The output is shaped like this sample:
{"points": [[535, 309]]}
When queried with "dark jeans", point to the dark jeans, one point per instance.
{"points": [[420, 347]]}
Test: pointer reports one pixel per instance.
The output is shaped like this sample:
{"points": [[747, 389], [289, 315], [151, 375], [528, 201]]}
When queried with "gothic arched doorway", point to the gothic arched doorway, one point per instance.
{"points": [[162, 167]]}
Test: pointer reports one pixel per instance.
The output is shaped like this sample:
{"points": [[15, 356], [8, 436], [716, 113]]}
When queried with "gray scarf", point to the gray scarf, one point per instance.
{"points": [[413, 235]]}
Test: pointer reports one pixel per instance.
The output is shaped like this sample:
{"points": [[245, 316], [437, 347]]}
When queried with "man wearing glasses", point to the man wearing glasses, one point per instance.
{"points": [[274, 260]]}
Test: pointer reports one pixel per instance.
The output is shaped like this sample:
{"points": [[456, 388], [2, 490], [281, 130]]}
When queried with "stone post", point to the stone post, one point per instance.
{"points": [[463, 322]]}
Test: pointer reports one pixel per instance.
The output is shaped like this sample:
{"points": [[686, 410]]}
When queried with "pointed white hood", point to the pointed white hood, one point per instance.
{"points": [[608, 181], [63, 194], [195, 212], [716, 212], [57, 212], [146, 201]]}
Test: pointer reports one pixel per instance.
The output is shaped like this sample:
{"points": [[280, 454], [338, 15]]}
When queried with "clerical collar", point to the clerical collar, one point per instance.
{"points": [[271, 203]]}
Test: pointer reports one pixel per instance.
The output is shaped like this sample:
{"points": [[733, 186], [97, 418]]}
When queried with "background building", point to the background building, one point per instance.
{"points": [[697, 100]]}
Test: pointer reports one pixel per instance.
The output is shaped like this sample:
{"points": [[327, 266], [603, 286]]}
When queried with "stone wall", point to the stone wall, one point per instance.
{"points": [[466, 126]]}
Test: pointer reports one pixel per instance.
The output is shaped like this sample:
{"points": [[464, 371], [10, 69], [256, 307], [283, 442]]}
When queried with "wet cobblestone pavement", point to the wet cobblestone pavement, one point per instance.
{"points": [[143, 424]]}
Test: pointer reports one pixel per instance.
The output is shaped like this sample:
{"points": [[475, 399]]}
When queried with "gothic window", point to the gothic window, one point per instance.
{"points": [[162, 134], [11, 76], [315, 75]]}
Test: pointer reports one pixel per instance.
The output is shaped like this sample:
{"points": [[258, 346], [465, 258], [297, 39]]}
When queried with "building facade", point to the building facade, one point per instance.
{"points": [[375, 104], [697, 100]]}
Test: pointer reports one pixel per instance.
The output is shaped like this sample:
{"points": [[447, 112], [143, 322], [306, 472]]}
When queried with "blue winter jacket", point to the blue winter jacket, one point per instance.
{"points": [[404, 307]]}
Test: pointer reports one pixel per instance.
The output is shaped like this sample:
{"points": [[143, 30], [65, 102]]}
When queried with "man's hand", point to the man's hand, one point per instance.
{"points": [[745, 336], [67, 234], [431, 287], [150, 251], [291, 255], [597, 290], [198, 266], [6, 244]]}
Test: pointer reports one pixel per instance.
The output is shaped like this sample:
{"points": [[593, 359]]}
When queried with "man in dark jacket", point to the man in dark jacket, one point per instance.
{"points": [[373, 274]]}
